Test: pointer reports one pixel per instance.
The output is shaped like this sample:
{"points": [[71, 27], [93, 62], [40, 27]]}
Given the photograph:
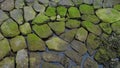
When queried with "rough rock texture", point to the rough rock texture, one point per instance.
{"points": [[25, 29], [3, 16]]}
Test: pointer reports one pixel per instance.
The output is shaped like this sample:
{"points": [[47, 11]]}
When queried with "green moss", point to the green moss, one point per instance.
{"points": [[117, 7], [73, 12], [61, 11], [51, 11], [86, 9], [116, 27], [25, 28], [71, 23]]}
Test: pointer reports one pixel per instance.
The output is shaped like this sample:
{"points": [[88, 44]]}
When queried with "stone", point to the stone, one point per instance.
{"points": [[61, 10], [29, 13], [35, 60], [66, 3], [73, 12], [90, 63], [52, 3], [107, 4], [81, 34], [98, 3], [1, 36], [17, 15], [56, 44], [7, 5], [92, 43], [57, 27], [88, 1], [75, 67], [69, 35], [29, 1], [71, 23], [106, 27], [86, 9], [45, 2], [35, 43], [62, 19], [91, 18], [50, 11], [17, 43], [116, 27], [4, 48], [7, 62], [51, 65], [56, 1], [108, 15], [74, 56], [38, 7], [117, 7], [77, 2], [40, 19], [51, 57], [1, 0], [9, 28], [25, 28], [43, 31], [3, 16], [19, 4], [22, 59], [65, 61], [79, 47], [92, 27]]}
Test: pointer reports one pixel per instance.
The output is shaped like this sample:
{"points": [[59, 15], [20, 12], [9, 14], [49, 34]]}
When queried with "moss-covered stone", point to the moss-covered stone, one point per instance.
{"points": [[57, 27], [56, 44], [116, 27], [1, 36], [106, 27], [40, 19], [73, 12], [51, 11], [3, 16], [25, 28], [42, 31], [117, 7], [61, 10], [9, 28], [108, 15], [71, 23], [91, 27], [17, 43], [77, 2], [4, 48], [86, 9], [19, 4], [50, 65], [35, 43]]}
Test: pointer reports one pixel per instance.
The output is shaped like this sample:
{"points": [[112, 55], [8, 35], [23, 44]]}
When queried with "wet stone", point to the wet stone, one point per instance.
{"points": [[88, 1], [17, 43], [66, 2], [51, 65], [7, 62], [17, 15], [116, 27], [43, 31], [61, 10], [3, 16], [22, 59], [4, 48], [98, 3], [38, 7], [45, 2], [35, 60], [9, 28], [25, 28], [19, 4], [56, 44], [7, 5], [35, 43]]}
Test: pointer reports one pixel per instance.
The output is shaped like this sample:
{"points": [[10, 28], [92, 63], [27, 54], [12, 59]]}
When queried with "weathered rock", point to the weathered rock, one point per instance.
{"points": [[7, 62], [19, 4], [35, 43], [106, 27], [107, 3], [9, 28], [88, 1], [91, 18], [52, 3], [25, 28], [4, 48], [17, 15], [98, 3], [89, 63], [40, 19], [81, 34], [69, 35], [117, 7], [65, 61], [22, 59], [86, 9], [35, 59], [66, 2], [73, 12], [92, 28], [45, 2], [77, 2], [62, 19], [3, 16], [56, 1], [79, 47], [108, 15], [71, 23], [50, 65], [75, 67], [38, 7], [56, 44], [1, 0], [51, 57], [61, 11], [51, 11], [74, 56], [116, 27], [42, 31], [29, 13], [7, 5], [17, 43], [29, 1], [57, 27], [1, 36]]}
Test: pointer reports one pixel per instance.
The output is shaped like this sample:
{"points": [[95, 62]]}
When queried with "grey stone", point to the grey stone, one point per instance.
{"points": [[3, 16], [77, 2], [29, 1], [107, 4], [38, 7], [1, 0], [65, 61], [75, 67], [45, 2], [51, 3], [98, 3], [19, 4], [1, 36], [88, 1], [66, 2]]}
